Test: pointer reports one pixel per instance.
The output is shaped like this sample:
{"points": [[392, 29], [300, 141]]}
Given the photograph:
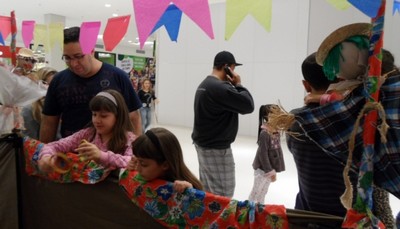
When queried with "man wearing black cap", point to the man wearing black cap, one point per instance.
{"points": [[218, 101]]}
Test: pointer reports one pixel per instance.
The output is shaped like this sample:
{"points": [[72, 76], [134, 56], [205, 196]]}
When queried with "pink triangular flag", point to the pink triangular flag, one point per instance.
{"points": [[147, 14], [5, 26], [115, 30], [199, 12], [88, 36], [27, 32]]}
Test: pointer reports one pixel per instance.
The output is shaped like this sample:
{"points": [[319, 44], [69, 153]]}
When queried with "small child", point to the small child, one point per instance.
{"points": [[159, 156], [108, 138], [269, 157], [146, 96]]}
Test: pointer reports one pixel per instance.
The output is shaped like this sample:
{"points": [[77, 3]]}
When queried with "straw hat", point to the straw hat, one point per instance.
{"points": [[24, 52], [338, 36]]}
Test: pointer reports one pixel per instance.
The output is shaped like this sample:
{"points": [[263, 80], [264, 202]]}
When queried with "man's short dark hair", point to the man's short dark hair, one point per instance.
{"points": [[71, 34], [313, 73]]}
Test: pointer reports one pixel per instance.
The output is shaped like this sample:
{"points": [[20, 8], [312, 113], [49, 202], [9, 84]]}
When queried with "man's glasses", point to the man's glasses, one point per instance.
{"points": [[68, 59]]}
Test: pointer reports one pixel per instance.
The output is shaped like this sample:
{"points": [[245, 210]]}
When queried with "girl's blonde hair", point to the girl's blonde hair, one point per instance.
{"points": [[45, 72]]}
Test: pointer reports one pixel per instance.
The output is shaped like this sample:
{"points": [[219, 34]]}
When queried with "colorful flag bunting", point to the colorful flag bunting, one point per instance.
{"points": [[27, 32], [171, 20], [88, 36], [149, 12], [237, 10], [115, 30]]}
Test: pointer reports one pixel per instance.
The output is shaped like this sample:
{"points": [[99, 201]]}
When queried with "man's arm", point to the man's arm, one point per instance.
{"points": [[48, 128], [136, 121]]}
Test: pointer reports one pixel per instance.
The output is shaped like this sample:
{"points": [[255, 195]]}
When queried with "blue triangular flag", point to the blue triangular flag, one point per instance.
{"points": [[171, 19], [396, 6], [2, 39], [368, 7]]}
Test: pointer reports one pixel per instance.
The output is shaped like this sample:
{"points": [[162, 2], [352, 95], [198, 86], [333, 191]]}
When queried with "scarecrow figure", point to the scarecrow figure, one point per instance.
{"points": [[339, 128], [343, 55]]}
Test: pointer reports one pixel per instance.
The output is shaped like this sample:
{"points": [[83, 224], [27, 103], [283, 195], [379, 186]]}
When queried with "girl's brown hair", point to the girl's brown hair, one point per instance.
{"points": [[161, 145], [117, 143]]}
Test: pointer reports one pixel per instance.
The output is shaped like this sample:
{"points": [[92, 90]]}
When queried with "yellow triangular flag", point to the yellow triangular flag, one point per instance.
{"points": [[40, 36], [339, 4], [237, 10], [56, 35]]}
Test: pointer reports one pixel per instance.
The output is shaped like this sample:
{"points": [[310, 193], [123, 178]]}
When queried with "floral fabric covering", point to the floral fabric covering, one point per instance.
{"points": [[87, 172], [198, 209]]}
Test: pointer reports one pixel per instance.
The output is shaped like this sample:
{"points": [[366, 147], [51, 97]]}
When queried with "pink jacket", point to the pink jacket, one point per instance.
{"points": [[107, 158]]}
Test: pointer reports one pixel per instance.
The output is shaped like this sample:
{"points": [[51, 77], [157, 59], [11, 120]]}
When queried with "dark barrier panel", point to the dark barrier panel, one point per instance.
{"points": [[29, 202], [45, 204]]}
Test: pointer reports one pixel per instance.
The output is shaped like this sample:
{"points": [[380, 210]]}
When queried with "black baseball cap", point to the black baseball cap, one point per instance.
{"points": [[225, 57]]}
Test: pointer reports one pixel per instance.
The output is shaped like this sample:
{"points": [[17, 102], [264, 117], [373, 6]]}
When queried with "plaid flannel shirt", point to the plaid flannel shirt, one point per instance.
{"points": [[330, 127]]}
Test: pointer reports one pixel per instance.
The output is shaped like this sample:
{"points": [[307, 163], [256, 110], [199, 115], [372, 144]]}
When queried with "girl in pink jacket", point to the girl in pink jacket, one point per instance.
{"points": [[107, 140]]}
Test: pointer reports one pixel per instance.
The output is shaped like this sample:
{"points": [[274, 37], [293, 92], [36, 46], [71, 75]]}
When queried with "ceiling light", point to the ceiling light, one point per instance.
{"points": [[107, 5], [115, 15]]}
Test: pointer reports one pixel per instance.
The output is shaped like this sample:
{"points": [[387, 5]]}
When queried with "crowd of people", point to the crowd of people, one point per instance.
{"points": [[92, 108]]}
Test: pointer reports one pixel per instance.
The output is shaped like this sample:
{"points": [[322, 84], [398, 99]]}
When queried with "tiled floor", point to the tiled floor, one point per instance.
{"points": [[283, 191]]}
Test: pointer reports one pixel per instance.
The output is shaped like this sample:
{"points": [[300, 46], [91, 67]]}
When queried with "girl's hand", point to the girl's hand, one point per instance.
{"points": [[273, 178], [46, 163], [312, 98], [89, 151], [132, 164], [181, 185]]}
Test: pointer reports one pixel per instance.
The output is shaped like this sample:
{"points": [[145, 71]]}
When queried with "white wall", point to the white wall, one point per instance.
{"points": [[324, 19], [271, 62]]}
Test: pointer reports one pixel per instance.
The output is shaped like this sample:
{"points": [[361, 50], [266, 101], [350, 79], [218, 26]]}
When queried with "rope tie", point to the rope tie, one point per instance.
{"points": [[347, 197]]}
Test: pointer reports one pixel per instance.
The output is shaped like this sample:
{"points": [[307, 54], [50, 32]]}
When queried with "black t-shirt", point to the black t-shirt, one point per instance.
{"points": [[69, 95]]}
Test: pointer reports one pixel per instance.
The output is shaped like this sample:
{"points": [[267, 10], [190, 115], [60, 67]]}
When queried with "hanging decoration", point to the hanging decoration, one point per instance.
{"points": [[40, 36], [368, 7], [13, 45], [115, 30], [88, 36], [27, 32], [197, 10], [339, 4], [396, 6], [2, 40], [171, 20], [56, 35], [237, 10], [5, 26]]}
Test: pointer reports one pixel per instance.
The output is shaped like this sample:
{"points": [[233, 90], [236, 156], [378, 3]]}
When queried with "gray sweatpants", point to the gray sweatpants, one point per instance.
{"points": [[217, 170]]}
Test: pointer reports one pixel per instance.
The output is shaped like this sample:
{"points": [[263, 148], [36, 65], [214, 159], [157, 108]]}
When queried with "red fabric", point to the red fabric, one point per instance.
{"points": [[195, 208]]}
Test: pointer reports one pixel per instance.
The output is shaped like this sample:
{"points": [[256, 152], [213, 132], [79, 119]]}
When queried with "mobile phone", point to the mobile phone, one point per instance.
{"points": [[228, 71]]}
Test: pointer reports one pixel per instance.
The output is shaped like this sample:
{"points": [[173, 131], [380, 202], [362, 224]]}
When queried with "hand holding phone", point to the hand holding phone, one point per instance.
{"points": [[228, 72]]}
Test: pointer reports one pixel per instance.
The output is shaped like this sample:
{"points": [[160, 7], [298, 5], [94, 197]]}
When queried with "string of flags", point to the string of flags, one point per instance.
{"points": [[167, 14]]}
